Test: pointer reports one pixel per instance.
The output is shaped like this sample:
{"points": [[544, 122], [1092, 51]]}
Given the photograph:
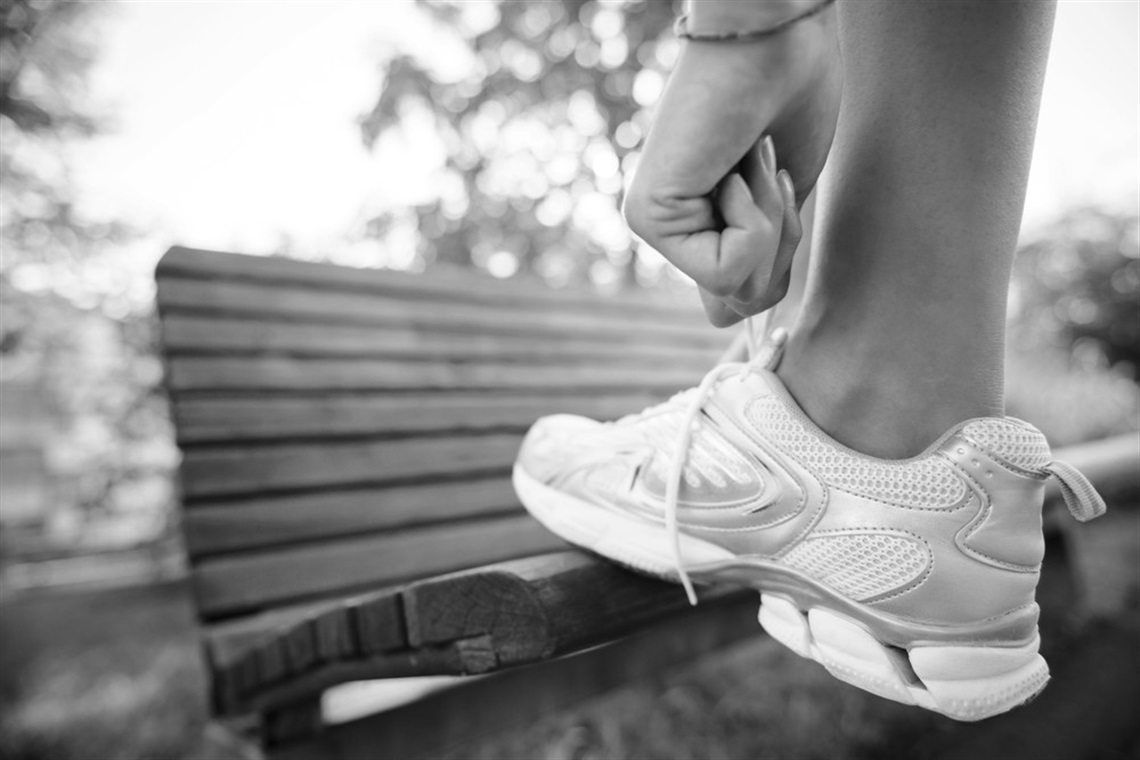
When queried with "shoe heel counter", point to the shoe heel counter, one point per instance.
{"points": [[1006, 531]]}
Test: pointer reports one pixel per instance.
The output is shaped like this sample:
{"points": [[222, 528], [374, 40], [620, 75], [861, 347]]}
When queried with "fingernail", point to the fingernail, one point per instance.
{"points": [[785, 181], [768, 153]]}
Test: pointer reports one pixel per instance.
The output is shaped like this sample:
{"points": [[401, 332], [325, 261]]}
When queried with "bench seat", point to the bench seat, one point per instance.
{"points": [[347, 437]]}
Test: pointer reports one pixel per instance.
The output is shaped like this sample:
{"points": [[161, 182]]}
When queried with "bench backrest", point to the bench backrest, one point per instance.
{"points": [[346, 429]]}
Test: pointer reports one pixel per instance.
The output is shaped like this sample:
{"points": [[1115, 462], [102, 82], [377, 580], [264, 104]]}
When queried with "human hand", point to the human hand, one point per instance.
{"points": [[708, 193]]}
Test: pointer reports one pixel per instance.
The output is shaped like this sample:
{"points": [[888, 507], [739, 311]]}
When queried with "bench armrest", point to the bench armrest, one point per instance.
{"points": [[471, 622]]}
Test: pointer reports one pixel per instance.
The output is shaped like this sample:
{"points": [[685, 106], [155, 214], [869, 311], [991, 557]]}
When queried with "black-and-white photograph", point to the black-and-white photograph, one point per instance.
{"points": [[569, 379]]}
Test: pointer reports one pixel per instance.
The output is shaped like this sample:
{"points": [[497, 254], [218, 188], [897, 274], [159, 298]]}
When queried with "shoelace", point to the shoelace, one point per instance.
{"points": [[758, 357]]}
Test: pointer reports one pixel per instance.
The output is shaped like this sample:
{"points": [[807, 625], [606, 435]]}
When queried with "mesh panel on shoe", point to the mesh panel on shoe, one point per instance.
{"points": [[928, 483], [861, 565], [1021, 446]]}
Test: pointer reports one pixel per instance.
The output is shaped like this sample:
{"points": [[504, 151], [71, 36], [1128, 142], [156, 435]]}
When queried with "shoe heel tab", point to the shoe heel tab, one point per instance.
{"points": [[1080, 497]]}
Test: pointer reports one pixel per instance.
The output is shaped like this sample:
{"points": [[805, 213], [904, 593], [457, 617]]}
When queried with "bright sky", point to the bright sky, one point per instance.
{"points": [[236, 121]]}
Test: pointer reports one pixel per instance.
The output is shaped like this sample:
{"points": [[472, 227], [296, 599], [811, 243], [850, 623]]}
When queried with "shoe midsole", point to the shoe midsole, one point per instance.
{"points": [[630, 540]]}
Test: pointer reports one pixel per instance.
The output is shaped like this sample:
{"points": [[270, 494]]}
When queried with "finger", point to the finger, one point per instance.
{"points": [[766, 287], [765, 188], [717, 311], [792, 229], [750, 242]]}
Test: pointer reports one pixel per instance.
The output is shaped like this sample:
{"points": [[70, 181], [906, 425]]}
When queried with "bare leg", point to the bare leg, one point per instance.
{"points": [[901, 334]]}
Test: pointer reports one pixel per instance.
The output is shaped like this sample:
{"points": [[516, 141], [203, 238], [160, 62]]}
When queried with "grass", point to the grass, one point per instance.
{"points": [[106, 674]]}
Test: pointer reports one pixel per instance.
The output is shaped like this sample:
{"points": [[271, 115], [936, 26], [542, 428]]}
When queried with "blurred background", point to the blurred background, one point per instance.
{"points": [[482, 134]]}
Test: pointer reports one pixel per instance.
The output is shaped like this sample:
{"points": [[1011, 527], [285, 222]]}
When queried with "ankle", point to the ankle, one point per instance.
{"points": [[884, 399]]}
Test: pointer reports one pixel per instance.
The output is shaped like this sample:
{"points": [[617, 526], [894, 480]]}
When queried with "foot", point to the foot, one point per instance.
{"points": [[912, 579]]}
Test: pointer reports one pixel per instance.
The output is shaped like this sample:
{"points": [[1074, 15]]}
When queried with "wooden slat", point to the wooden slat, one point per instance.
{"points": [[240, 419], [183, 334], [229, 585], [451, 284], [252, 469], [270, 521], [291, 374], [308, 305]]}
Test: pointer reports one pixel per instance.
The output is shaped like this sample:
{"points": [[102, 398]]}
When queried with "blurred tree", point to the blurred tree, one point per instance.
{"points": [[536, 135], [46, 50], [1078, 285], [65, 321]]}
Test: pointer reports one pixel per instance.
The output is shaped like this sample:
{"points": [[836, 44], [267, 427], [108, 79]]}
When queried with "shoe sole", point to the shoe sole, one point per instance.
{"points": [[961, 681]]}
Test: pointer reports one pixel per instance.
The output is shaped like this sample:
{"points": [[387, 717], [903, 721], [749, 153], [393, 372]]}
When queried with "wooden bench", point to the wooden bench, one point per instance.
{"points": [[347, 437]]}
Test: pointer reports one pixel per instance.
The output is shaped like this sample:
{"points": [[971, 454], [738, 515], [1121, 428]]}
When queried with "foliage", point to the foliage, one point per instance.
{"points": [[46, 50], [65, 325], [536, 135], [1078, 285]]}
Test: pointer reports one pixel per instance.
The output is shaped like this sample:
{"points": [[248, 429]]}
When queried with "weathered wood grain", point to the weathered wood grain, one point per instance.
{"points": [[270, 373], [253, 469], [245, 418], [250, 654], [229, 585], [231, 526], [295, 303], [539, 607], [491, 617], [219, 334], [444, 283]]}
